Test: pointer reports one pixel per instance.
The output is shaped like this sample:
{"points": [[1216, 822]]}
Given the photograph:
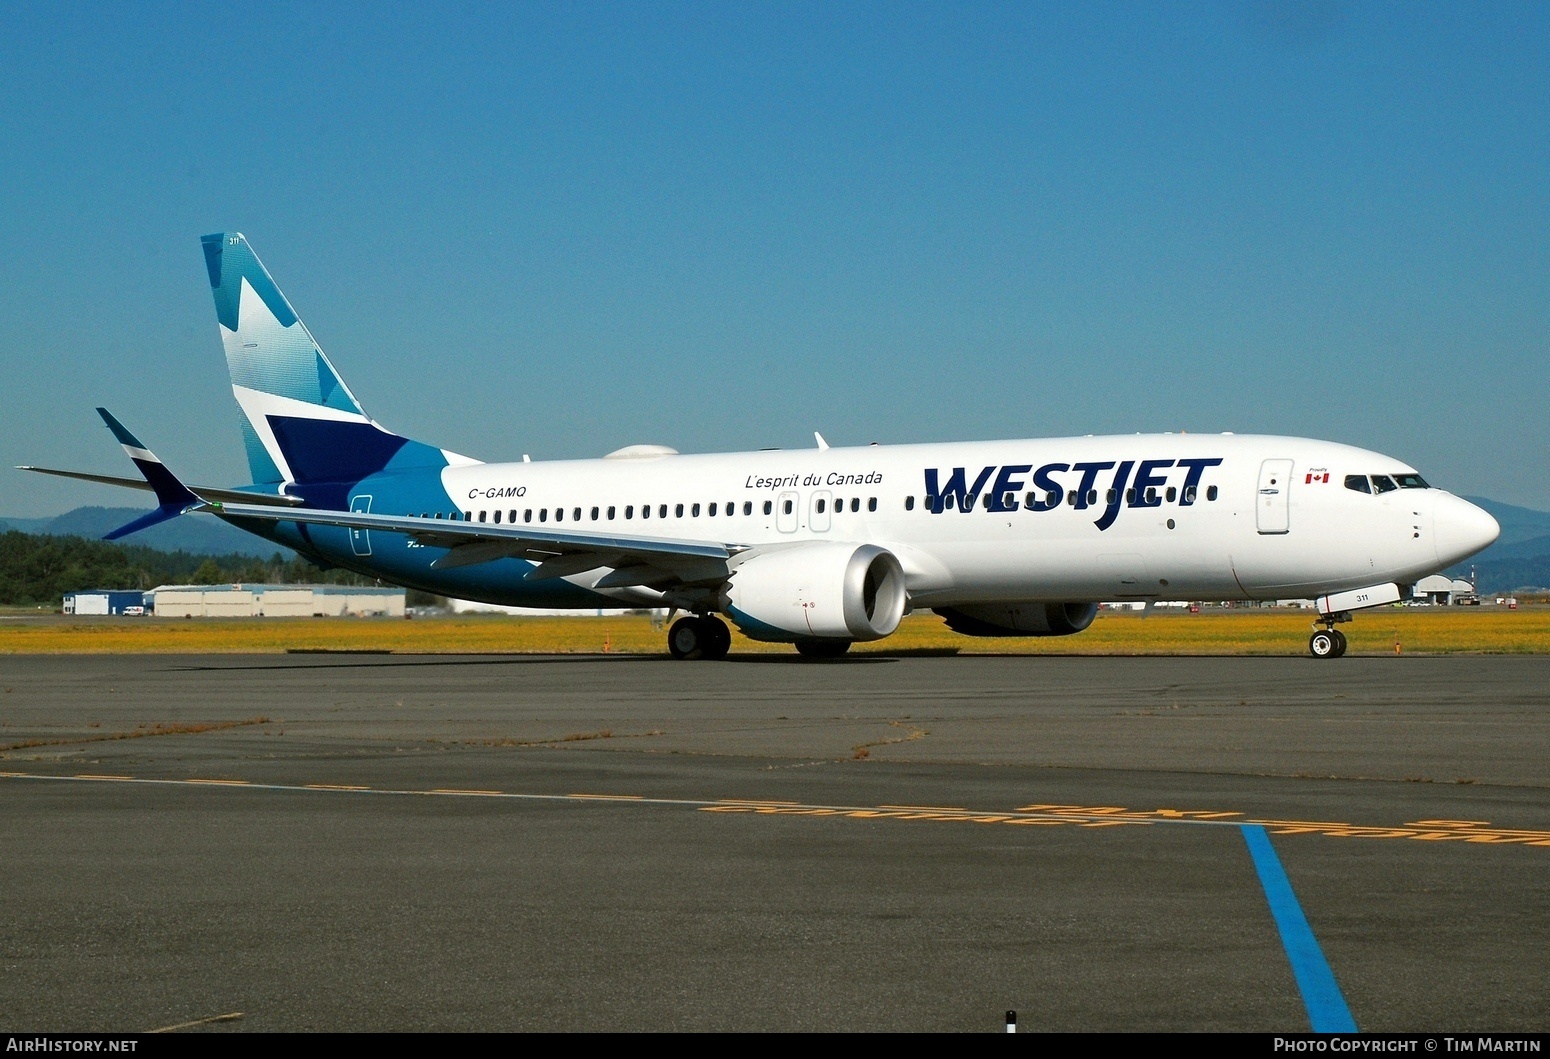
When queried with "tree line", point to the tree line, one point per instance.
{"points": [[38, 569]]}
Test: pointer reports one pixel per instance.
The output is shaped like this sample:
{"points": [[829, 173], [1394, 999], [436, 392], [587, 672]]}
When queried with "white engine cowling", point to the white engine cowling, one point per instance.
{"points": [[818, 590], [1019, 619]]}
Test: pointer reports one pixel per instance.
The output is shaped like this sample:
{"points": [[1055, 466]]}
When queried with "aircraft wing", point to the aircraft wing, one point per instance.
{"points": [[241, 496], [635, 560]]}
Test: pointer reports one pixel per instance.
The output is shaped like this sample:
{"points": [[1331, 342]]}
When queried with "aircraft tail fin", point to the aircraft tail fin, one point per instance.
{"points": [[174, 497], [301, 423]]}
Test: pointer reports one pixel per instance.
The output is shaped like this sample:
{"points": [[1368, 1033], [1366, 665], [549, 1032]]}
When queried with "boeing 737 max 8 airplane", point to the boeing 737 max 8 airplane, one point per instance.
{"points": [[821, 547]]}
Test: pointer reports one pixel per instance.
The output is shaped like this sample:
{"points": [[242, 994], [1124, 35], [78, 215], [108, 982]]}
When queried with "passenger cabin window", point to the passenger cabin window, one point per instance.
{"points": [[576, 514], [769, 505], [909, 502], [512, 515], [1358, 483], [543, 514], [785, 507], [819, 507], [662, 510], [594, 514], [645, 511], [1211, 492], [629, 510], [748, 507], [497, 517], [527, 515], [1071, 498], [610, 513], [871, 504], [711, 511], [695, 511], [559, 514]]}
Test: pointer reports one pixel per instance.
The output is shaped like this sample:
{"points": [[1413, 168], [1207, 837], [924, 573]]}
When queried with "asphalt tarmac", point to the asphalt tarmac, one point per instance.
{"points": [[365, 842]]}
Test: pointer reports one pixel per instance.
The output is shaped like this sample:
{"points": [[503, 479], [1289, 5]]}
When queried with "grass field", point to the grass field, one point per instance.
{"points": [[1409, 630]]}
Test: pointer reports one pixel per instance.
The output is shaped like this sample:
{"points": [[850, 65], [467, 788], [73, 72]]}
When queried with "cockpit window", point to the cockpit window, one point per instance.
{"points": [[1358, 482], [1383, 483], [1411, 481]]}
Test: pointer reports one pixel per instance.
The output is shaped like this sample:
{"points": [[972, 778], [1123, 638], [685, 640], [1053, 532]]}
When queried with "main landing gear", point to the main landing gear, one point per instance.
{"points": [[694, 638], [1328, 642]]}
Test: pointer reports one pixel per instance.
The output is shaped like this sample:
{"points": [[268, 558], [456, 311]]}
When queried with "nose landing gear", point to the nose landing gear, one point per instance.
{"points": [[1328, 642]]}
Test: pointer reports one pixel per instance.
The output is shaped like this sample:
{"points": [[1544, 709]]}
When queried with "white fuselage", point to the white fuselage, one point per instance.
{"points": [[1144, 517]]}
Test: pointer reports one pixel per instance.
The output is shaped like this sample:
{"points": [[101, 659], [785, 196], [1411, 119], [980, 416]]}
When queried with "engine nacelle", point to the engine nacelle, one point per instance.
{"points": [[818, 590], [1019, 619]]}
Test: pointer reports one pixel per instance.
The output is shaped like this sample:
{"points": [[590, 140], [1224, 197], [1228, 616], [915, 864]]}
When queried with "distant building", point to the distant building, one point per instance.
{"points": [[107, 601], [1442, 589], [276, 601]]}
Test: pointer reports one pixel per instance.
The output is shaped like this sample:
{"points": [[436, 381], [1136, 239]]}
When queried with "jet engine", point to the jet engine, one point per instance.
{"points": [[819, 590], [1019, 619]]}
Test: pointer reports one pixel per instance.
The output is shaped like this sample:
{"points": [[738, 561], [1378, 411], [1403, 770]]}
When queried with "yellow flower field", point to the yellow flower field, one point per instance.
{"points": [[1408, 630]]}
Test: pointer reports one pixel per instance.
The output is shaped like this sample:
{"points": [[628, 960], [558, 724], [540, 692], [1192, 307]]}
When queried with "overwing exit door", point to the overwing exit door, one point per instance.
{"points": [[360, 539]]}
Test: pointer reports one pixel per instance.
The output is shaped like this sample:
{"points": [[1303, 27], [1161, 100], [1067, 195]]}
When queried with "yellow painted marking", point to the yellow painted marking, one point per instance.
{"points": [[1451, 823], [1025, 820], [228, 1017], [611, 797], [1478, 832]]}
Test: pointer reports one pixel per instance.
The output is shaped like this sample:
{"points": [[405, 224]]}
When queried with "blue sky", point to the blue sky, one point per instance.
{"points": [[562, 228]]}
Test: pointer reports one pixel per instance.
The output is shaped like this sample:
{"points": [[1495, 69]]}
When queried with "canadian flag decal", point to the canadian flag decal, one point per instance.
{"points": [[1319, 475]]}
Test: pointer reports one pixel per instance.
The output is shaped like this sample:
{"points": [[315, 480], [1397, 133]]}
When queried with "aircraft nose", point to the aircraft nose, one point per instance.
{"points": [[1460, 529]]}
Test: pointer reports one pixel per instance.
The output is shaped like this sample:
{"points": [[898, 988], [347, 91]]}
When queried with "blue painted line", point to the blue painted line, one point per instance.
{"points": [[1321, 995]]}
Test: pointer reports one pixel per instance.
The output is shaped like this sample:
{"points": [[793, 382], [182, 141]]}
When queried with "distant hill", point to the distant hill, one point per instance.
{"points": [[1520, 558], [199, 534]]}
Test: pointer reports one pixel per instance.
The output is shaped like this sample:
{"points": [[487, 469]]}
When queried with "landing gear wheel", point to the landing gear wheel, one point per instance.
{"points": [[822, 648], [686, 640], [691, 639], [717, 638], [1340, 643], [1322, 644]]}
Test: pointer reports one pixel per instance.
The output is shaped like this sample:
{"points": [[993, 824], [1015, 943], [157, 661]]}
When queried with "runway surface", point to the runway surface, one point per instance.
{"points": [[347, 842]]}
